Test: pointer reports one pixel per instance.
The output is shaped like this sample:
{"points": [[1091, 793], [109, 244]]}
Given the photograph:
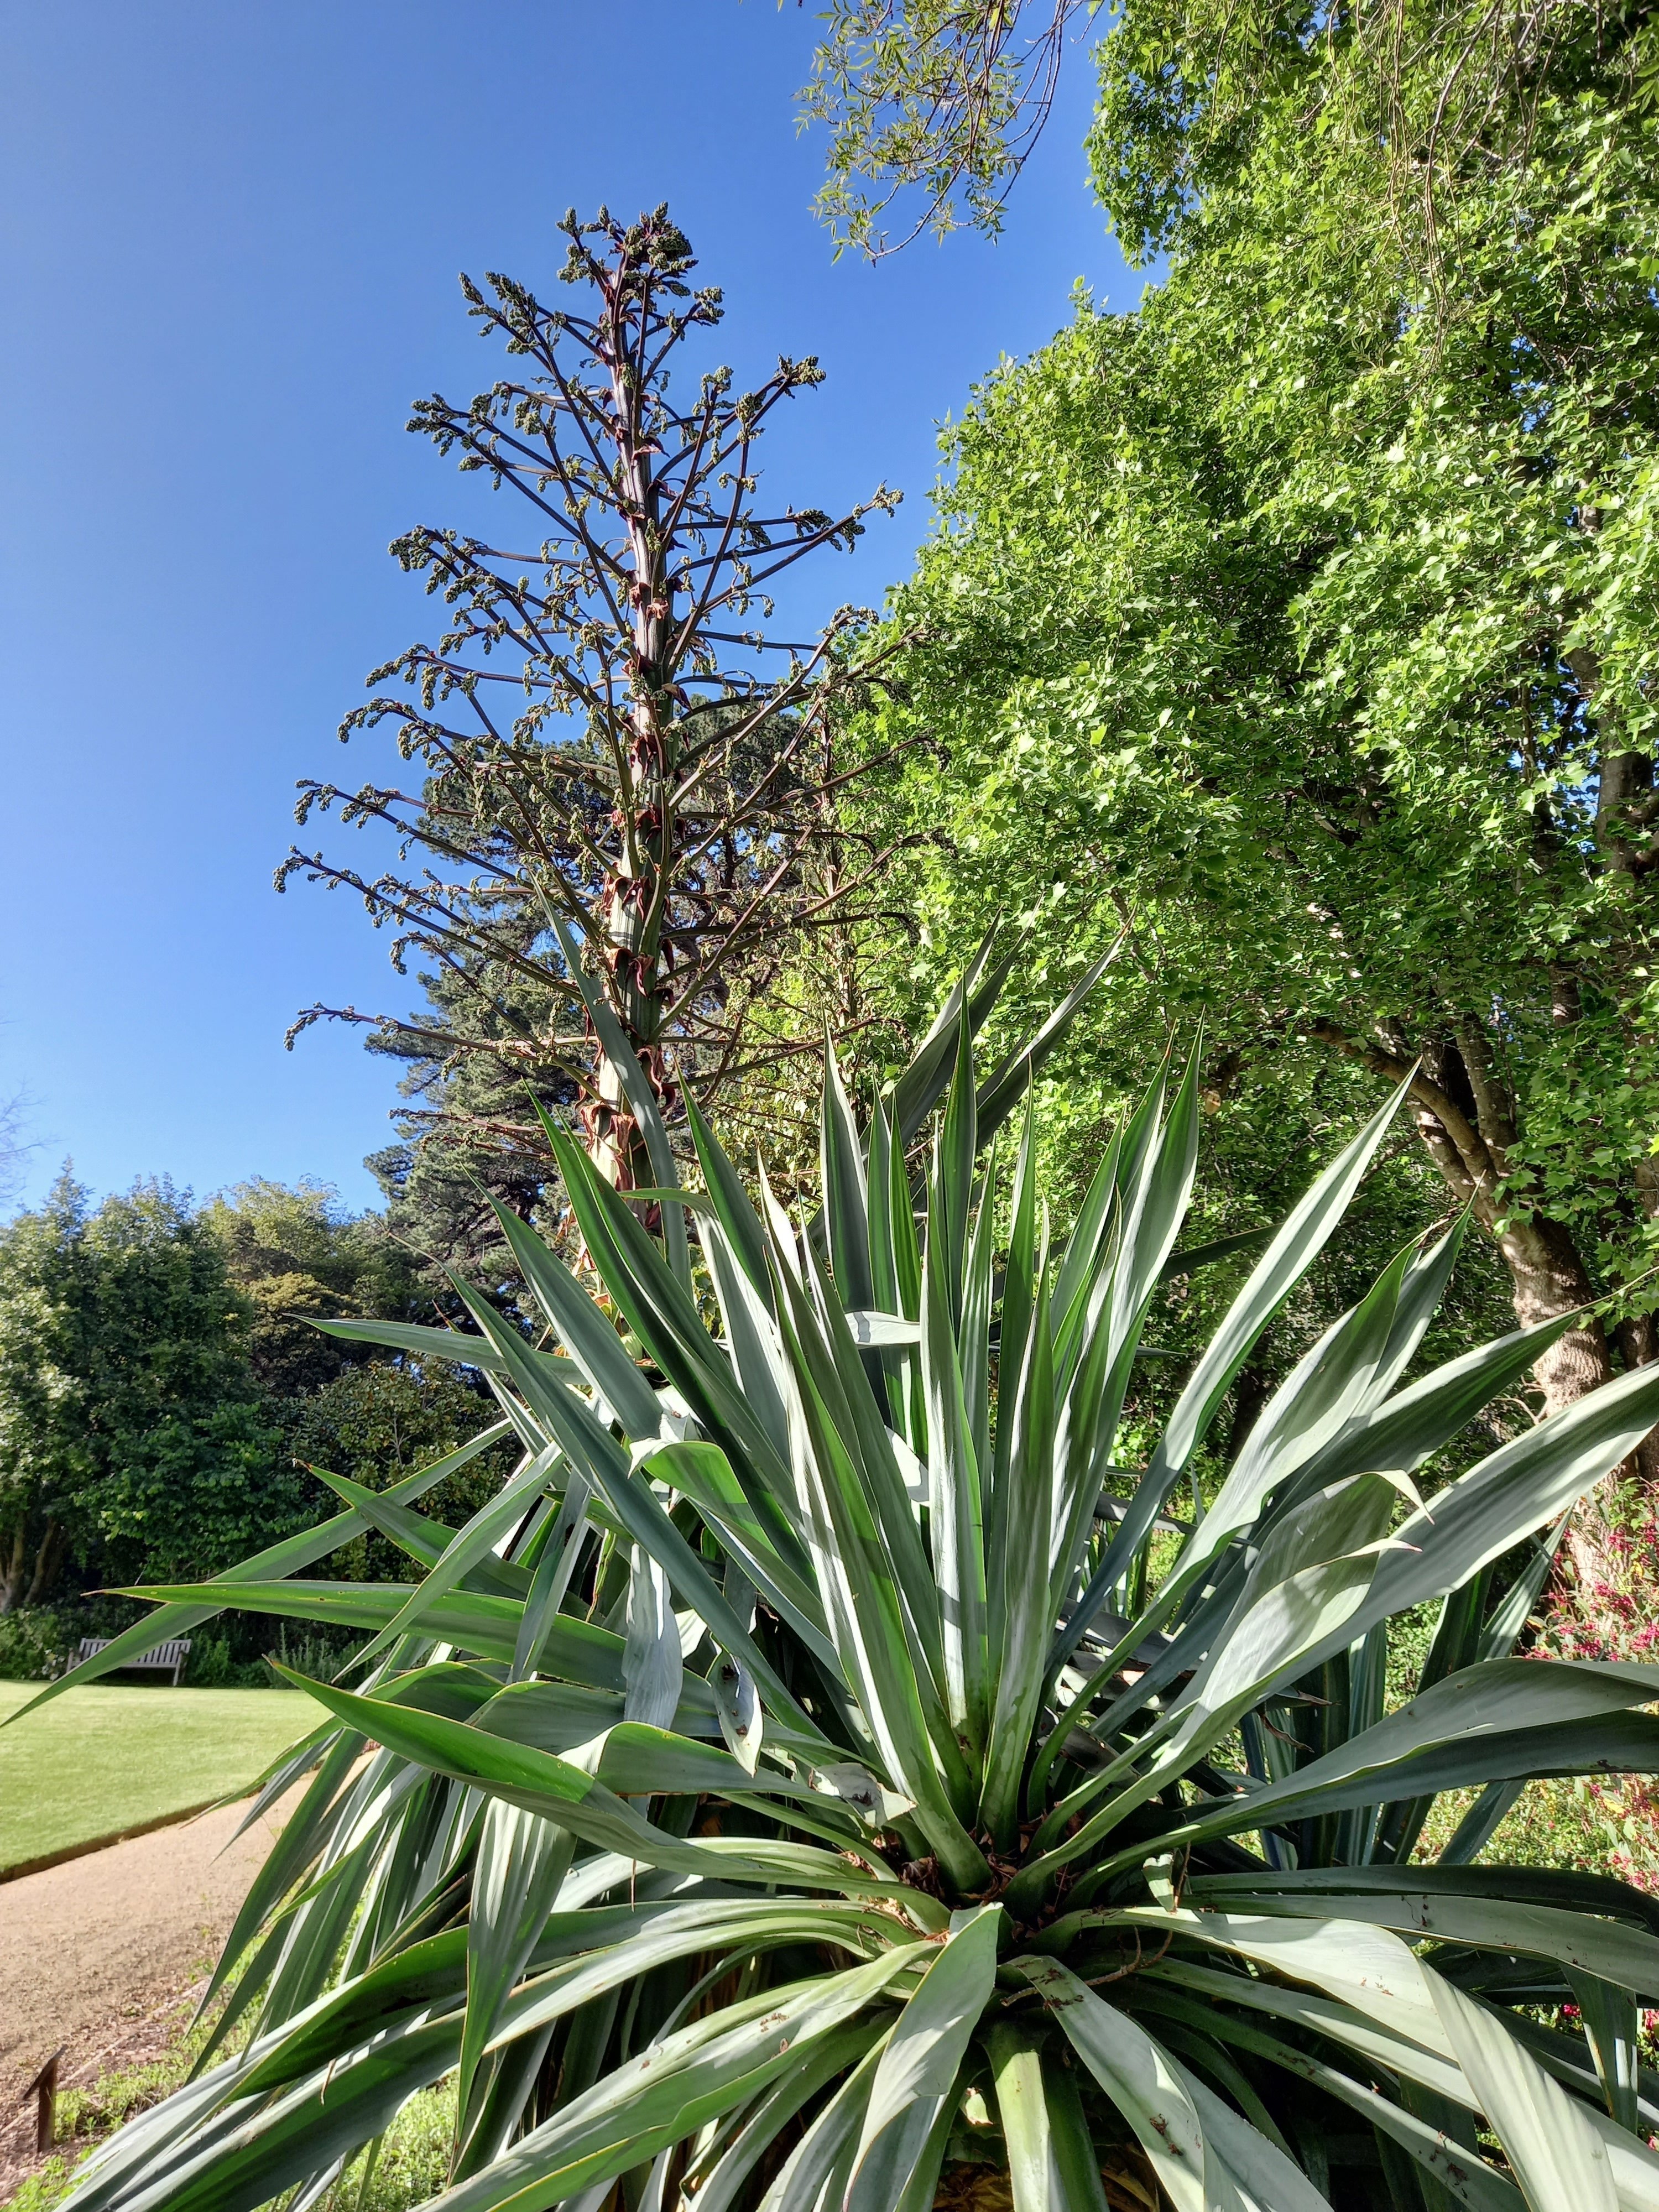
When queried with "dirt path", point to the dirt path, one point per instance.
{"points": [[100, 1953]]}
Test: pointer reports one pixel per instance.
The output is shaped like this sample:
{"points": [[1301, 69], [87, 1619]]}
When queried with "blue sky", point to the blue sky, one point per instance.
{"points": [[230, 236]]}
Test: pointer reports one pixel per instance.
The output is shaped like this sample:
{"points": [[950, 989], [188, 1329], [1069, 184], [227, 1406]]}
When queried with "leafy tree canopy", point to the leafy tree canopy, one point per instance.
{"points": [[132, 1432], [164, 1397], [932, 103], [297, 1255], [933, 107], [1303, 622]]}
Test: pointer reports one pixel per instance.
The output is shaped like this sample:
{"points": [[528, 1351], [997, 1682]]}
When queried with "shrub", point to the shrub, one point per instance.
{"points": [[34, 1642], [826, 1761]]}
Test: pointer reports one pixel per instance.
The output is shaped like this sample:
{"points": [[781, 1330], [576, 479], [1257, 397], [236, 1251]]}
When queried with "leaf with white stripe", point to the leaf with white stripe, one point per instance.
{"points": [[918, 2069], [1557, 2156]]}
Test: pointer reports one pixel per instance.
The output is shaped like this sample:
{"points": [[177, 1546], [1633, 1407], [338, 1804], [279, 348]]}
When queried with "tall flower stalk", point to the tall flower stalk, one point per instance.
{"points": [[615, 745]]}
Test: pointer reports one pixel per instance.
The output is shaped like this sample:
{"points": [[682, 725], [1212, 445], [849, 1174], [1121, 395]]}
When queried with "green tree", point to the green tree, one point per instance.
{"points": [[298, 1255], [462, 1130], [164, 1398], [132, 1437], [933, 102], [336, 1404], [179, 1451], [937, 104], [380, 1420], [1303, 622], [42, 1460]]}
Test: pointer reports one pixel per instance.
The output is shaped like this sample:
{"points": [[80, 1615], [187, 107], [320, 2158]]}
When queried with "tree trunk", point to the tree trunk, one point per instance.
{"points": [[47, 1561], [1638, 1347], [1625, 800], [1548, 1279], [1466, 1120], [13, 1555]]}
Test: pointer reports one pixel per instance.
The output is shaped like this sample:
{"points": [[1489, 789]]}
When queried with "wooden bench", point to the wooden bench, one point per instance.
{"points": [[164, 1658]]}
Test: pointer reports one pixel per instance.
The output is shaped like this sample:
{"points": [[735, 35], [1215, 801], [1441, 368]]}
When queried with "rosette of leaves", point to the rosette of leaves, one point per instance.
{"points": [[827, 1761]]}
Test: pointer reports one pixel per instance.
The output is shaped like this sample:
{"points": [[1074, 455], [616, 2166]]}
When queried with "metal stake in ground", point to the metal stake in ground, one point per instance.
{"points": [[45, 2088]]}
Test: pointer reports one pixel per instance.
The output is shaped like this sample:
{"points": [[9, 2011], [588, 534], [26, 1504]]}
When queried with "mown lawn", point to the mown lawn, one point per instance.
{"points": [[98, 1763]]}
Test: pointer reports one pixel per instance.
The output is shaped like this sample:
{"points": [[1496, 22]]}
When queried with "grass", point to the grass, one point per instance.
{"points": [[86, 2116], [412, 2162], [407, 2170], [98, 1763]]}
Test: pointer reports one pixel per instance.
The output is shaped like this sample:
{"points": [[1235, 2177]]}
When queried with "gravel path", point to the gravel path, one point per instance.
{"points": [[99, 1952]]}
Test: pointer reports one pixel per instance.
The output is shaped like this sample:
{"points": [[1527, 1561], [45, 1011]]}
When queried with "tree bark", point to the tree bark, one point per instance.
{"points": [[1466, 1122], [1638, 1347], [636, 899], [11, 1568], [47, 1561], [1549, 1279], [1625, 803]]}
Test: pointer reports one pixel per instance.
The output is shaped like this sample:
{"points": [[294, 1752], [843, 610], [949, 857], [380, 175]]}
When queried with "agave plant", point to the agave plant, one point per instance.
{"points": [[827, 1765]]}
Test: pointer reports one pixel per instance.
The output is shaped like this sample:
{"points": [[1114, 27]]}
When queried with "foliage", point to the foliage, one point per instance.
{"points": [[1302, 621], [85, 2115], [408, 2168], [1430, 104], [611, 741], [410, 2163], [1060, 1801], [163, 1391], [131, 1431], [933, 96], [38, 1407], [39, 1641], [944, 99], [377, 1424], [297, 1255], [34, 1642], [352, 1407]]}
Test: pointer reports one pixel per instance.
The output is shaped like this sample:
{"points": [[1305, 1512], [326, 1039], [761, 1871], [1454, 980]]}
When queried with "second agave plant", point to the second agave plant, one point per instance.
{"points": [[830, 1776]]}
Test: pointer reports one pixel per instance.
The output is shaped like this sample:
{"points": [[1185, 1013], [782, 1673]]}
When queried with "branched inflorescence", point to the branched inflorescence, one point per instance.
{"points": [[607, 733]]}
